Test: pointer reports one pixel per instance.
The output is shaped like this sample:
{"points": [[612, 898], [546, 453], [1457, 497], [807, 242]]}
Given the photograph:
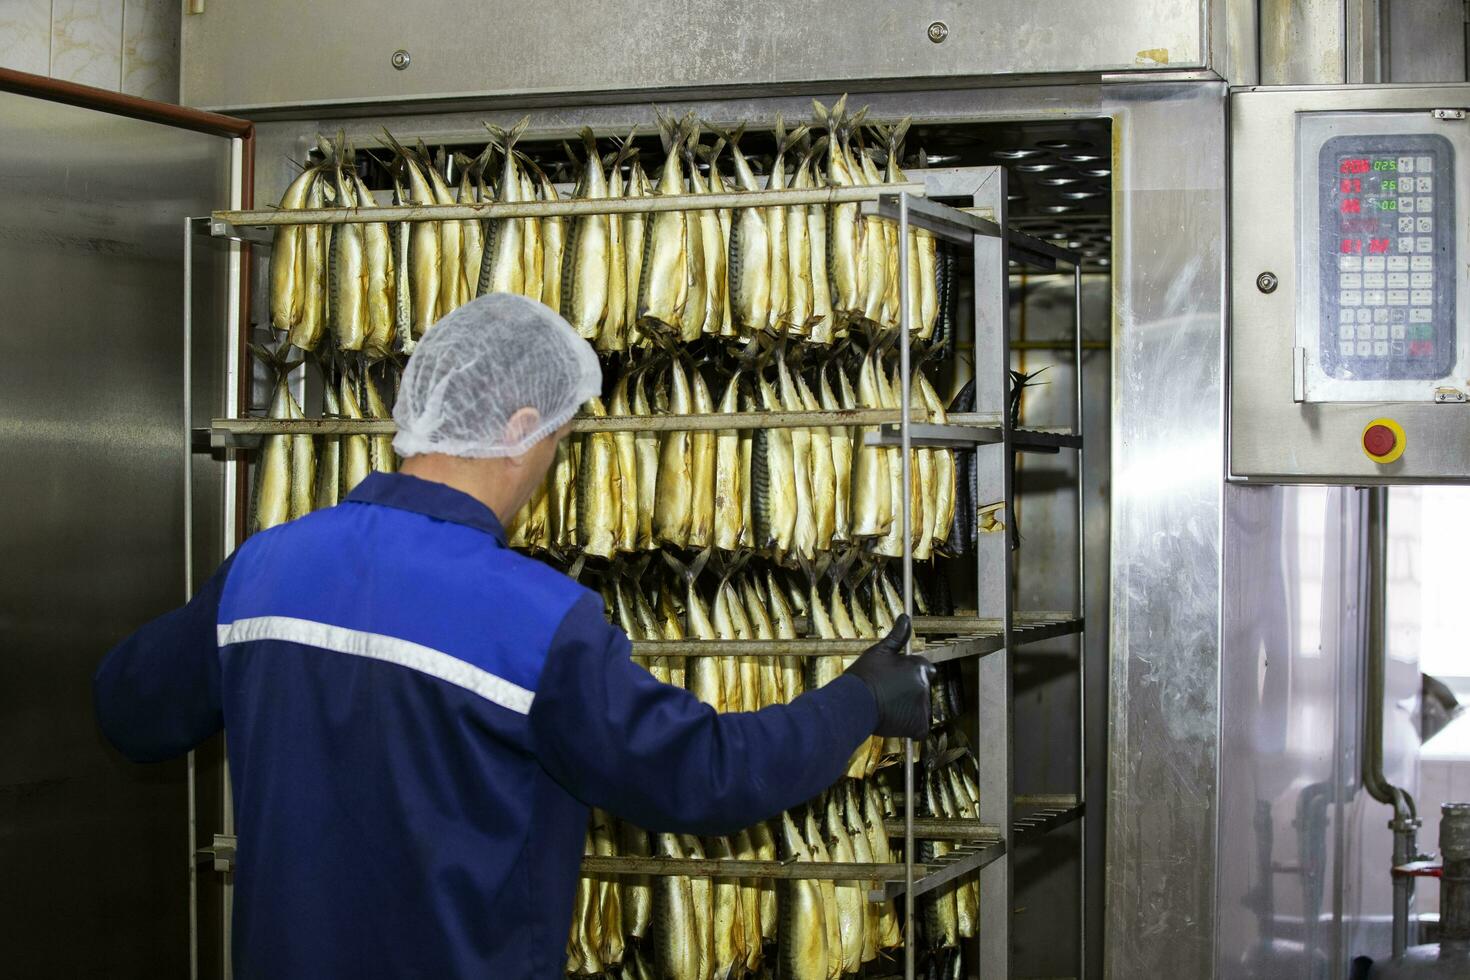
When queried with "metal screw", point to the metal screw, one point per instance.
{"points": [[938, 31], [401, 59], [1266, 282]]}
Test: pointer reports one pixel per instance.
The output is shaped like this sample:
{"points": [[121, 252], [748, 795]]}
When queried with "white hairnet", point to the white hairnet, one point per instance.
{"points": [[481, 364]]}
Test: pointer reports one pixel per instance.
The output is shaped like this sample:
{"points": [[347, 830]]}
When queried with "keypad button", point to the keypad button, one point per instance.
{"points": [[1426, 185], [1347, 331], [1421, 263], [1416, 315], [1425, 244], [1406, 165], [1399, 263], [1374, 263], [1398, 280], [1395, 331], [1365, 331], [1380, 348], [1423, 280], [1365, 348], [1406, 224], [1380, 331], [1350, 280], [1421, 331], [1346, 348], [1373, 297], [1349, 263], [1380, 315], [1424, 164], [1397, 348], [1350, 297], [1424, 204], [1406, 204], [1422, 297], [1406, 244], [1398, 297], [1417, 348], [1372, 280], [1398, 314], [1365, 315], [1423, 225]]}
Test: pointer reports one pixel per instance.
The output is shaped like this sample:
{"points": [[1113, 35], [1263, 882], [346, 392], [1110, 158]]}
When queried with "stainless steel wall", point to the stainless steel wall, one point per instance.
{"points": [[1168, 480], [270, 52], [94, 850]]}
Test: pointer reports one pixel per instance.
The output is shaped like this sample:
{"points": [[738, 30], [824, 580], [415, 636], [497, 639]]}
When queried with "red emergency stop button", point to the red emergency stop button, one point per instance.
{"points": [[1379, 440], [1383, 440]]}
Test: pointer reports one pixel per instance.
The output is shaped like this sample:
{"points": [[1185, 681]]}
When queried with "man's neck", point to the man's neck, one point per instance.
{"points": [[487, 480]]}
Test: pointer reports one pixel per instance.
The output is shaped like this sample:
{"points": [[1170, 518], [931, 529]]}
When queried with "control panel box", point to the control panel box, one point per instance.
{"points": [[1350, 278]]}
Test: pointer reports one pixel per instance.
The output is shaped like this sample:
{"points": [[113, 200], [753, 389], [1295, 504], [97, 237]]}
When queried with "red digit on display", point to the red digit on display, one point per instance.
{"points": [[1378, 246], [1352, 205]]}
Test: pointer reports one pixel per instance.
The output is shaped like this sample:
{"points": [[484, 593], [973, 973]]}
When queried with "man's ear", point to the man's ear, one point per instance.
{"points": [[521, 424]]}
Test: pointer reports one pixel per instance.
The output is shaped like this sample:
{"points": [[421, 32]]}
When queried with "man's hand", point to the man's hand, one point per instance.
{"points": [[900, 683]]}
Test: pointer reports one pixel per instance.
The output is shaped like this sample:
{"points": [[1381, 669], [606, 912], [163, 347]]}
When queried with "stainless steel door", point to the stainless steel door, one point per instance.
{"points": [[95, 851]]}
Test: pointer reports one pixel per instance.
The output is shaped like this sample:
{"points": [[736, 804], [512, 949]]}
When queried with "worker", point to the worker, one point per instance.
{"points": [[418, 718]]}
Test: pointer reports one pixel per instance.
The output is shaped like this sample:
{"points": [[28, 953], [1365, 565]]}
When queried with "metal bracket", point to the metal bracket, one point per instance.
{"points": [[216, 228], [221, 853], [1448, 113], [1449, 396]]}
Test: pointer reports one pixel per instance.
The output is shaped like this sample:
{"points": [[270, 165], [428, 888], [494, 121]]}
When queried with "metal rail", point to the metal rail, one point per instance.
{"points": [[223, 223]]}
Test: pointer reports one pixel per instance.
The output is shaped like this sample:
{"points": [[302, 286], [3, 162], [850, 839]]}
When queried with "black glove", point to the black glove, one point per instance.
{"points": [[900, 683]]}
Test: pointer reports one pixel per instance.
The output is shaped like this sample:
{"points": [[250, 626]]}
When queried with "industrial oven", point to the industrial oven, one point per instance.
{"points": [[1179, 790]]}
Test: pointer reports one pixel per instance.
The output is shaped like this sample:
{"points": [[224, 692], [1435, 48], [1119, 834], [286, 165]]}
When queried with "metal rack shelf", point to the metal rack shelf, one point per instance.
{"points": [[989, 632]]}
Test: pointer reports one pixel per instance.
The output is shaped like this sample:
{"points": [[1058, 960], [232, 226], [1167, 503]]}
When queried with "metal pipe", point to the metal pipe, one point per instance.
{"points": [[567, 207], [1405, 822], [904, 436]]}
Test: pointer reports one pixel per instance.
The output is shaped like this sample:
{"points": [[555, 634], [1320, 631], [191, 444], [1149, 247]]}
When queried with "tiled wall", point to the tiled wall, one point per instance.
{"points": [[130, 46]]}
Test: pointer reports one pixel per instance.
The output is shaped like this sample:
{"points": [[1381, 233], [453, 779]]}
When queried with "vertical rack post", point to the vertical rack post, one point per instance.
{"points": [[189, 570], [994, 575], [1077, 417], [904, 423]]}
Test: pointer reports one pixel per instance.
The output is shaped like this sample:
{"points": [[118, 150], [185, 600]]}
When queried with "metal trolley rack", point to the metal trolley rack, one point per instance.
{"points": [[989, 636]]}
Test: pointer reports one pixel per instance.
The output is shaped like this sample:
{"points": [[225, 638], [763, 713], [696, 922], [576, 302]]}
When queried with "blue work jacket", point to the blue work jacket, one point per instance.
{"points": [[418, 719]]}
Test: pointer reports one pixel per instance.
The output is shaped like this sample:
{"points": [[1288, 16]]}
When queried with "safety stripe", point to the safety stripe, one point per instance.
{"points": [[376, 646]]}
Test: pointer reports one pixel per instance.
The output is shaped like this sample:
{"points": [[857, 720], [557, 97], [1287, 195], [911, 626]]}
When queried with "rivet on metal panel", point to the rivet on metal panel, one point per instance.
{"points": [[401, 59], [1266, 282], [938, 31]]}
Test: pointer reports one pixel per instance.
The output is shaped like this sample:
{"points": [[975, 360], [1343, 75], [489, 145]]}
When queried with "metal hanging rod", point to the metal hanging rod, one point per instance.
{"points": [[618, 865], [222, 222], [976, 638], [222, 431]]}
